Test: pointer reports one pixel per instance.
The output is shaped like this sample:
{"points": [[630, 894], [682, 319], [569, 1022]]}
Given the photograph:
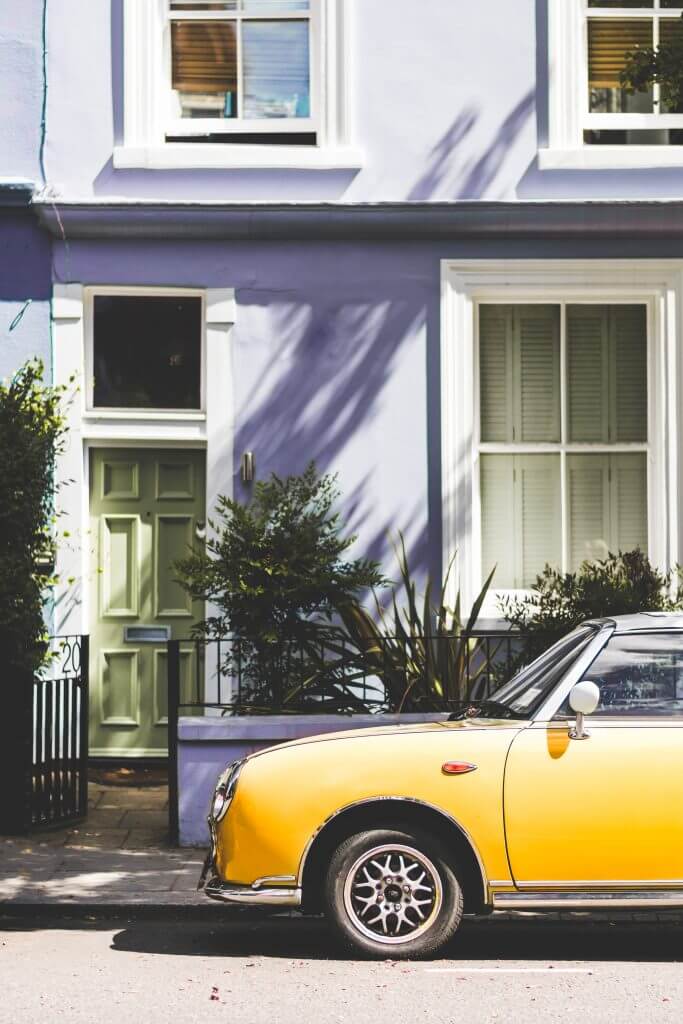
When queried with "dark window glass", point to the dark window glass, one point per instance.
{"points": [[638, 675], [147, 352]]}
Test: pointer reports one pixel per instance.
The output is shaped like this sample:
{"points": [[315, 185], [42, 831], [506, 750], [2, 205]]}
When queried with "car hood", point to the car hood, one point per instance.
{"points": [[468, 724]]}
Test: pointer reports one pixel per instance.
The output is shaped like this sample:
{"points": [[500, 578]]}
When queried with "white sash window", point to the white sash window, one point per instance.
{"points": [[559, 411], [245, 66], [594, 122], [563, 435], [236, 83]]}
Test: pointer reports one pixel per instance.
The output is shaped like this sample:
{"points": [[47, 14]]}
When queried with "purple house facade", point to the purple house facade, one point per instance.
{"points": [[434, 247]]}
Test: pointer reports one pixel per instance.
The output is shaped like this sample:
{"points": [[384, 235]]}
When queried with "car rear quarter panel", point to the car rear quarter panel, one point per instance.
{"points": [[285, 795]]}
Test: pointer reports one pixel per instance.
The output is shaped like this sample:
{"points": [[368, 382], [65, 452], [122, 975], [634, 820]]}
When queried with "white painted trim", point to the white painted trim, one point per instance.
{"points": [[211, 430], [599, 158], [148, 108], [190, 156], [659, 284]]}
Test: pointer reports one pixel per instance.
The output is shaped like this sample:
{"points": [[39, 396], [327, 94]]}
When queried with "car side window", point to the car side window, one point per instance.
{"points": [[639, 675]]}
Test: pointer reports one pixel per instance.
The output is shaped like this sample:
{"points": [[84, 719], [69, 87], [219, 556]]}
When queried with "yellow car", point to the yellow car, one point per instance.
{"points": [[396, 832]]}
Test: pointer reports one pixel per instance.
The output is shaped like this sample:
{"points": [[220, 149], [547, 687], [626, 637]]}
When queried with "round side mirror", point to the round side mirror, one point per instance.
{"points": [[584, 697]]}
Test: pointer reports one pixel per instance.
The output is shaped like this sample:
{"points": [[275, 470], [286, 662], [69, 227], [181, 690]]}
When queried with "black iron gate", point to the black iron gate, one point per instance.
{"points": [[59, 771], [44, 743]]}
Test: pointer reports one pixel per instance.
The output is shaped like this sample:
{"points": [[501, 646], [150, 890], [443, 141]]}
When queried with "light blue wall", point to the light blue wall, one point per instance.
{"points": [[449, 101], [24, 248], [21, 87]]}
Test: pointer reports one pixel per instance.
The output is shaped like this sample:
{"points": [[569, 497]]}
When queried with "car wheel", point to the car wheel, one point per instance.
{"points": [[393, 894]]}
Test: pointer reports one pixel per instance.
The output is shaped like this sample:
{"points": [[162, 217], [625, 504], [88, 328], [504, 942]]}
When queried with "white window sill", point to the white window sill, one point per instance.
{"points": [[200, 155], [181, 415], [609, 158]]}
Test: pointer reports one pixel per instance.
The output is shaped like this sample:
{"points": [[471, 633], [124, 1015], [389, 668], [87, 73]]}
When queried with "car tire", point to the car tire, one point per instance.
{"points": [[393, 894]]}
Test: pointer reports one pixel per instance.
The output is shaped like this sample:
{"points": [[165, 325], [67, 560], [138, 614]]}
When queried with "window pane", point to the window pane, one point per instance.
{"points": [[639, 675], [607, 373], [276, 69], [519, 372], [274, 6], [204, 5], [607, 497], [520, 516], [147, 352], [204, 67], [671, 35], [495, 372], [609, 41], [538, 387]]}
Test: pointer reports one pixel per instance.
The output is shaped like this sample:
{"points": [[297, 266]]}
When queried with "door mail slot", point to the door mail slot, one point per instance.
{"points": [[146, 634]]}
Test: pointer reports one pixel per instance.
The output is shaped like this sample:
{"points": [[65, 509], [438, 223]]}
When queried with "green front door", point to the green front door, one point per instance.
{"points": [[147, 508]]}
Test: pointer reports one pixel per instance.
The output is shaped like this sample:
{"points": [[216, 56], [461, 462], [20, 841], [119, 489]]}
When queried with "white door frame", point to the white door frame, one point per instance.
{"points": [[212, 429]]}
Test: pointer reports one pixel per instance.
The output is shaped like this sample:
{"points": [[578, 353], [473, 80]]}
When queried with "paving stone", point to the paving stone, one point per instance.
{"points": [[106, 817], [145, 819], [143, 838], [134, 799], [108, 839], [186, 881]]}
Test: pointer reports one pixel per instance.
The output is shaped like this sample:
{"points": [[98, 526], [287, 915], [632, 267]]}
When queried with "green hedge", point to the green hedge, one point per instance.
{"points": [[32, 430]]}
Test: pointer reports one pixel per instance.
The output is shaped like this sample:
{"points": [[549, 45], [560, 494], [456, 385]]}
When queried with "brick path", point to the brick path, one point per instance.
{"points": [[120, 856]]}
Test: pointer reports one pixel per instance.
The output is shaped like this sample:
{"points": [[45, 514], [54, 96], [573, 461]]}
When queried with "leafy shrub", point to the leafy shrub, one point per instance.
{"points": [[275, 570], [618, 585], [31, 434], [417, 652], [663, 64]]}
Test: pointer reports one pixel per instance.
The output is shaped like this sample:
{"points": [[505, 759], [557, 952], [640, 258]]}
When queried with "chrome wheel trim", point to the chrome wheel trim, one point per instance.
{"points": [[402, 885]]}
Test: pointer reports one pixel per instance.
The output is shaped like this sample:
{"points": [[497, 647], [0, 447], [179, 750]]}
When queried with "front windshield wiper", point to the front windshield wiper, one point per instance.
{"points": [[484, 709]]}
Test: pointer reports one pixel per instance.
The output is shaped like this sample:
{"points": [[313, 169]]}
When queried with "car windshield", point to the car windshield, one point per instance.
{"points": [[527, 690]]}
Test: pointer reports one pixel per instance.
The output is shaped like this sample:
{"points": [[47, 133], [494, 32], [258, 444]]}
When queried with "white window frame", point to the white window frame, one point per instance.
{"points": [[136, 292], [272, 126], [568, 97], [148, 116], [465, 285]]}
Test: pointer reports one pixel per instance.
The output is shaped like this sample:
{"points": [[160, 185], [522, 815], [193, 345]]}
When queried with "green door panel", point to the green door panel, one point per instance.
{"points": [[145, 507]]}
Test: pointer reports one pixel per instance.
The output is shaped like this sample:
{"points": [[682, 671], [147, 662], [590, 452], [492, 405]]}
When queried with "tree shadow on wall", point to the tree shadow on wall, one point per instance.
{"points": [[447, 177]]}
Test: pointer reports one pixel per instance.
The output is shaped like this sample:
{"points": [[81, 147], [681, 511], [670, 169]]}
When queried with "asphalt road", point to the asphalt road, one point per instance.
{"points": [[180, 966]]}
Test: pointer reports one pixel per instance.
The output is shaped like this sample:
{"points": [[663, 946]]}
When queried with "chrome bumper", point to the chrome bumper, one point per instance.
{"points": [[249, 896]]}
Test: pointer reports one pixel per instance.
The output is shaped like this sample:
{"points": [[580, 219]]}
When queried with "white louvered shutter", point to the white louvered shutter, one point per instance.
{"points": [[629, 501], [539, 515], [537, 373], [498, 540], [607, 505], [589, 505], [520, 515], [587, 373], [628, 357], [607, 373], [495, 372]]}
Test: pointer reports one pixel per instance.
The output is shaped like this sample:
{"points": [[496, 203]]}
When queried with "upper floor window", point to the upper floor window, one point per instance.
{"points": [[245, 66], [616, 115], [601, 114], [224, 83]]}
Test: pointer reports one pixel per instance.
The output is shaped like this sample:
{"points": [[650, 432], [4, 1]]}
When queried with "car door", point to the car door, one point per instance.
{"points": [[606, 811]]}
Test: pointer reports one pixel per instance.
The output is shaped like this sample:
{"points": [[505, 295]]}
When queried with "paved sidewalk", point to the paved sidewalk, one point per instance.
{"points": [[120, 856]]}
